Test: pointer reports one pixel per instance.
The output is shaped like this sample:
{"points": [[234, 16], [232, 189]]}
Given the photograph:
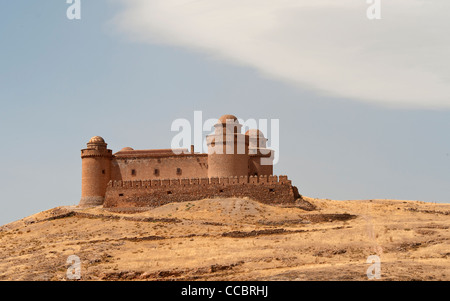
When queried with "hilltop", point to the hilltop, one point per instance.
{"points": [[232, 239]]}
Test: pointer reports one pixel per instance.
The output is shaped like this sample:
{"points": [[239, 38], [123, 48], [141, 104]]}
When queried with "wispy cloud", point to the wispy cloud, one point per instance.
{"points": [[402, 60]]}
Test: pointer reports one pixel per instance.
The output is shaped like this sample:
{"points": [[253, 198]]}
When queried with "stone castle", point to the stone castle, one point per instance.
{"points": [[236, 165]]}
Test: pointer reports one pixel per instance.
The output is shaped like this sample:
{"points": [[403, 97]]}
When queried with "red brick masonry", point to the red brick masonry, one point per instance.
{"points": [[153, 193]]}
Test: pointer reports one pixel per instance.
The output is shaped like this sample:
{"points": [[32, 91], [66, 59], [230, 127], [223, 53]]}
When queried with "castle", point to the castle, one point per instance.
{"points": [[236, 165]]}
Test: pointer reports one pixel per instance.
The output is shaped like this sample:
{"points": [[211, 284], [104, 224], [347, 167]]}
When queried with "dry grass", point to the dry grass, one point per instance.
{"points": [[233, 239]]}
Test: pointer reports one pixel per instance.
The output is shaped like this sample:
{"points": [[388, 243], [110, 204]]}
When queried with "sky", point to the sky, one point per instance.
{"points": [[363, 105]]}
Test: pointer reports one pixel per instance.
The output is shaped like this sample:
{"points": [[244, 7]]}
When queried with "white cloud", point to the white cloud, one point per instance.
{"points": [[326, 45]]}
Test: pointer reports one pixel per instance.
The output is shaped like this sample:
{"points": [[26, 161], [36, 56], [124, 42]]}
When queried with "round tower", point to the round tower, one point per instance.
{"points": [[261, 158], [96, 172], [257, 141], [227, 149]]}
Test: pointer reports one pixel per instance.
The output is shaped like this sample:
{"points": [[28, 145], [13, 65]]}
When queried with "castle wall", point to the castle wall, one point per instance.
{"points": [[152, 193], [256, 168], [170, 167], [139, 177]]}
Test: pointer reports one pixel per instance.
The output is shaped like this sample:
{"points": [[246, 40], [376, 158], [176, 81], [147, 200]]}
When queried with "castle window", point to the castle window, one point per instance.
{"points": [[120, 194], [169, 192], [179, 172], [156, 172], [271, 190], [103, 172], [133, 172]]}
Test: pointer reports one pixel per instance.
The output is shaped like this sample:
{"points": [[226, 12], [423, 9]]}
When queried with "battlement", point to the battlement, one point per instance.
{"points": [[261, 180], [152, 193]]}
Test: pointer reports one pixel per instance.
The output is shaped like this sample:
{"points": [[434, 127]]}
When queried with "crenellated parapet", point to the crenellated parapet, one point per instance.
{"points": [[243, 180], [151, 193]]}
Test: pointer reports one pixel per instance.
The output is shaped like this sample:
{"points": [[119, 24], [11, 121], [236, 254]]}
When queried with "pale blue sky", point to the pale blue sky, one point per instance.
{"points": [[62, 82]]}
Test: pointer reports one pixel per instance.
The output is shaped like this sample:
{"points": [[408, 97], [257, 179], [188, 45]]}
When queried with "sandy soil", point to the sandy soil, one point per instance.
{"points": [[233, 239]]}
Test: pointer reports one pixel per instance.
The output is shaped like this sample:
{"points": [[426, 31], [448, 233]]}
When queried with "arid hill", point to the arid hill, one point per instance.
{"points": [[233, 239]]}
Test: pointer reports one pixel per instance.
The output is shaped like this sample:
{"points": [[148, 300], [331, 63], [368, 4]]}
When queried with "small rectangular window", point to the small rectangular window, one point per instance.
{"points": [[133, 172], [179, 171], [156, 172], [103, 172]]}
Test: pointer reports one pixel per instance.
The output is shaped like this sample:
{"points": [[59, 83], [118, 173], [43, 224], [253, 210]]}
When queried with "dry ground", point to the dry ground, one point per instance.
{"points": [[233, 239]]}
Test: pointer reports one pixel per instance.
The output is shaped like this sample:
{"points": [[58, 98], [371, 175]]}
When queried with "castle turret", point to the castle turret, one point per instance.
{"points": [[227, 149], [261, 158], [96, 172]]}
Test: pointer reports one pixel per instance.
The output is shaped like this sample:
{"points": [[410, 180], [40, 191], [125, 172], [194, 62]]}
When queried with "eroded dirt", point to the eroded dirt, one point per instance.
{"points": [[232, 239]]}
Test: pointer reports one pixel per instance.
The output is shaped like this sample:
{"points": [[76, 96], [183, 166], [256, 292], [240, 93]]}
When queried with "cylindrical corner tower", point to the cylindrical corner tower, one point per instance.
{"points": [[227, 149], [261, 158], [96, 172]]}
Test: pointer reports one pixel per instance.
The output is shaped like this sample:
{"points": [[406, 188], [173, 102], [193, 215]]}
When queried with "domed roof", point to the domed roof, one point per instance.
{"points": [[255, 133], [224, 118], [126, 149], [97, 139]]}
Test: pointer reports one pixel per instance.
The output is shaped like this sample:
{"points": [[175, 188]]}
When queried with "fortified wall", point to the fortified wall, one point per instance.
{"points": [[236, 165], [153, 193]]}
